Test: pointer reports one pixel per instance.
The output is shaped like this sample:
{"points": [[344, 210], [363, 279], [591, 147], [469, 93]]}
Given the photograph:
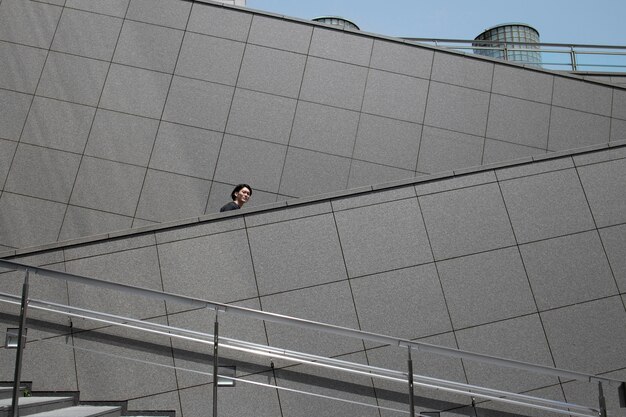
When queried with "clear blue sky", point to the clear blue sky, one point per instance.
{"points": [[558, 21]]}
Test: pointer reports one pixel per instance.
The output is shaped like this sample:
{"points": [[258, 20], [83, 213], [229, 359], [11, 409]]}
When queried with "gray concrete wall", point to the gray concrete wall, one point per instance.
{"points": [[523, 261], [119, 114]]}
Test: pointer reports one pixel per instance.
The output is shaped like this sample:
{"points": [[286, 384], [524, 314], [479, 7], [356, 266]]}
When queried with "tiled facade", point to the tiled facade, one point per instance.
{"points": [[522, 261], [120, 114], [179, 101]]}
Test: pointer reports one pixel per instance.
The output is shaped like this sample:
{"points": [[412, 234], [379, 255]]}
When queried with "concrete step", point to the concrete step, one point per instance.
{"points": [[62, 406], [6, 389], [6, 392], [83, 411], [34, 405]]}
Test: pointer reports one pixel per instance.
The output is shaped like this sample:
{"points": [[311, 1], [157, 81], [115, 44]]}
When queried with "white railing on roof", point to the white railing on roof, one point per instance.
{"points": [[552, 56]]}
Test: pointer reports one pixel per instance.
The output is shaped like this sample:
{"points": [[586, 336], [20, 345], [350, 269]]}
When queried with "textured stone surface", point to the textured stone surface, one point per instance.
{"points": [[579, 95], [20, 67], [605, 191], [522, 339], [17, 18], [80, 222], [135, 90], [366, 173], [310, 173], [122, 137], [459, 70], [107, 185], [443, 150], [219, 21], [271, 71], [186, 150], [396, 96], [87, 34], [612, 241], [198, 103], [312, 261], [225, 277], [394, 393], [28, 221], [195, 401], [403, 59], [498, 151], [383, 237], [210, 59], [518, 121], [388, 141], [109, 7], [457, 108], [486, 287], [73, 78], [324, 129], [125, 363], [136, 267], [568, 270], [466, 221], [148, 46], [333, 83], [405, 303], [167, 196], [546, 205], [170, 13], [326, 382], [619, 104], [7, 151], [244, 159], [280, 34], [574, 129], [57, 124], [53, 348], [330, 303], [578, 333], [261, 116], [522, 83], [345, 47], [13, 110], [43, 173]]}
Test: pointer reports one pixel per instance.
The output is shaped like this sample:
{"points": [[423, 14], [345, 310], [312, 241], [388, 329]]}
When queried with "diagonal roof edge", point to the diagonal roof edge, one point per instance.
{"points": [[312, 199]]}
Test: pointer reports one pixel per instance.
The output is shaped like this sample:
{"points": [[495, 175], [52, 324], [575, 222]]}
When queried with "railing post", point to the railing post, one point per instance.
{"points": [[572, 54], [602, 401], [621, 393], [20, 348], [215, 345], [411, 398]]}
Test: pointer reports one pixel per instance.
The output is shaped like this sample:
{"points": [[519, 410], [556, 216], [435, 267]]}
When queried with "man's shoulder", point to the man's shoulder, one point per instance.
{"points": [[229, 206]]}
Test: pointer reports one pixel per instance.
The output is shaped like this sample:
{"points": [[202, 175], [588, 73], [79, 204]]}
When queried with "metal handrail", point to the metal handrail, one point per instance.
{"points": [[572, 50], [300, 357], [564, 45], [313, 325]]}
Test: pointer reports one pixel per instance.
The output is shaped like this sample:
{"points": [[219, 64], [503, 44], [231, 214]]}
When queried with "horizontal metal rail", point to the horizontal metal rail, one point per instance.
{"points": [[571, 51], [562, 45], [315, 360], [313, 325]]}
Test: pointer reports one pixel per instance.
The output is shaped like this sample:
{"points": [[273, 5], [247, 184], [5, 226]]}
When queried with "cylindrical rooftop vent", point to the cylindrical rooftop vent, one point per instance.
{"points": [[337, 21], [500, 46]]}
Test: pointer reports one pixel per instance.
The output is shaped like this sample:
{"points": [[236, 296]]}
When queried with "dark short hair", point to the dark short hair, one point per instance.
{"points": [[238, 188]]}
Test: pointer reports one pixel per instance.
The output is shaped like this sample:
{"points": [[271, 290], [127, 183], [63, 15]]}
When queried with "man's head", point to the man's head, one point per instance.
{"points": [[241, 194]]}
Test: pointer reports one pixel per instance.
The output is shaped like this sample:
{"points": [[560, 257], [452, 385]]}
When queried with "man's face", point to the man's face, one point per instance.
{"points": [[242, 196]]}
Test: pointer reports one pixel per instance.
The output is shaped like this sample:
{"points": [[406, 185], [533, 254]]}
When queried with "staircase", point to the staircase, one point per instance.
{"points": [[54, 406]]}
